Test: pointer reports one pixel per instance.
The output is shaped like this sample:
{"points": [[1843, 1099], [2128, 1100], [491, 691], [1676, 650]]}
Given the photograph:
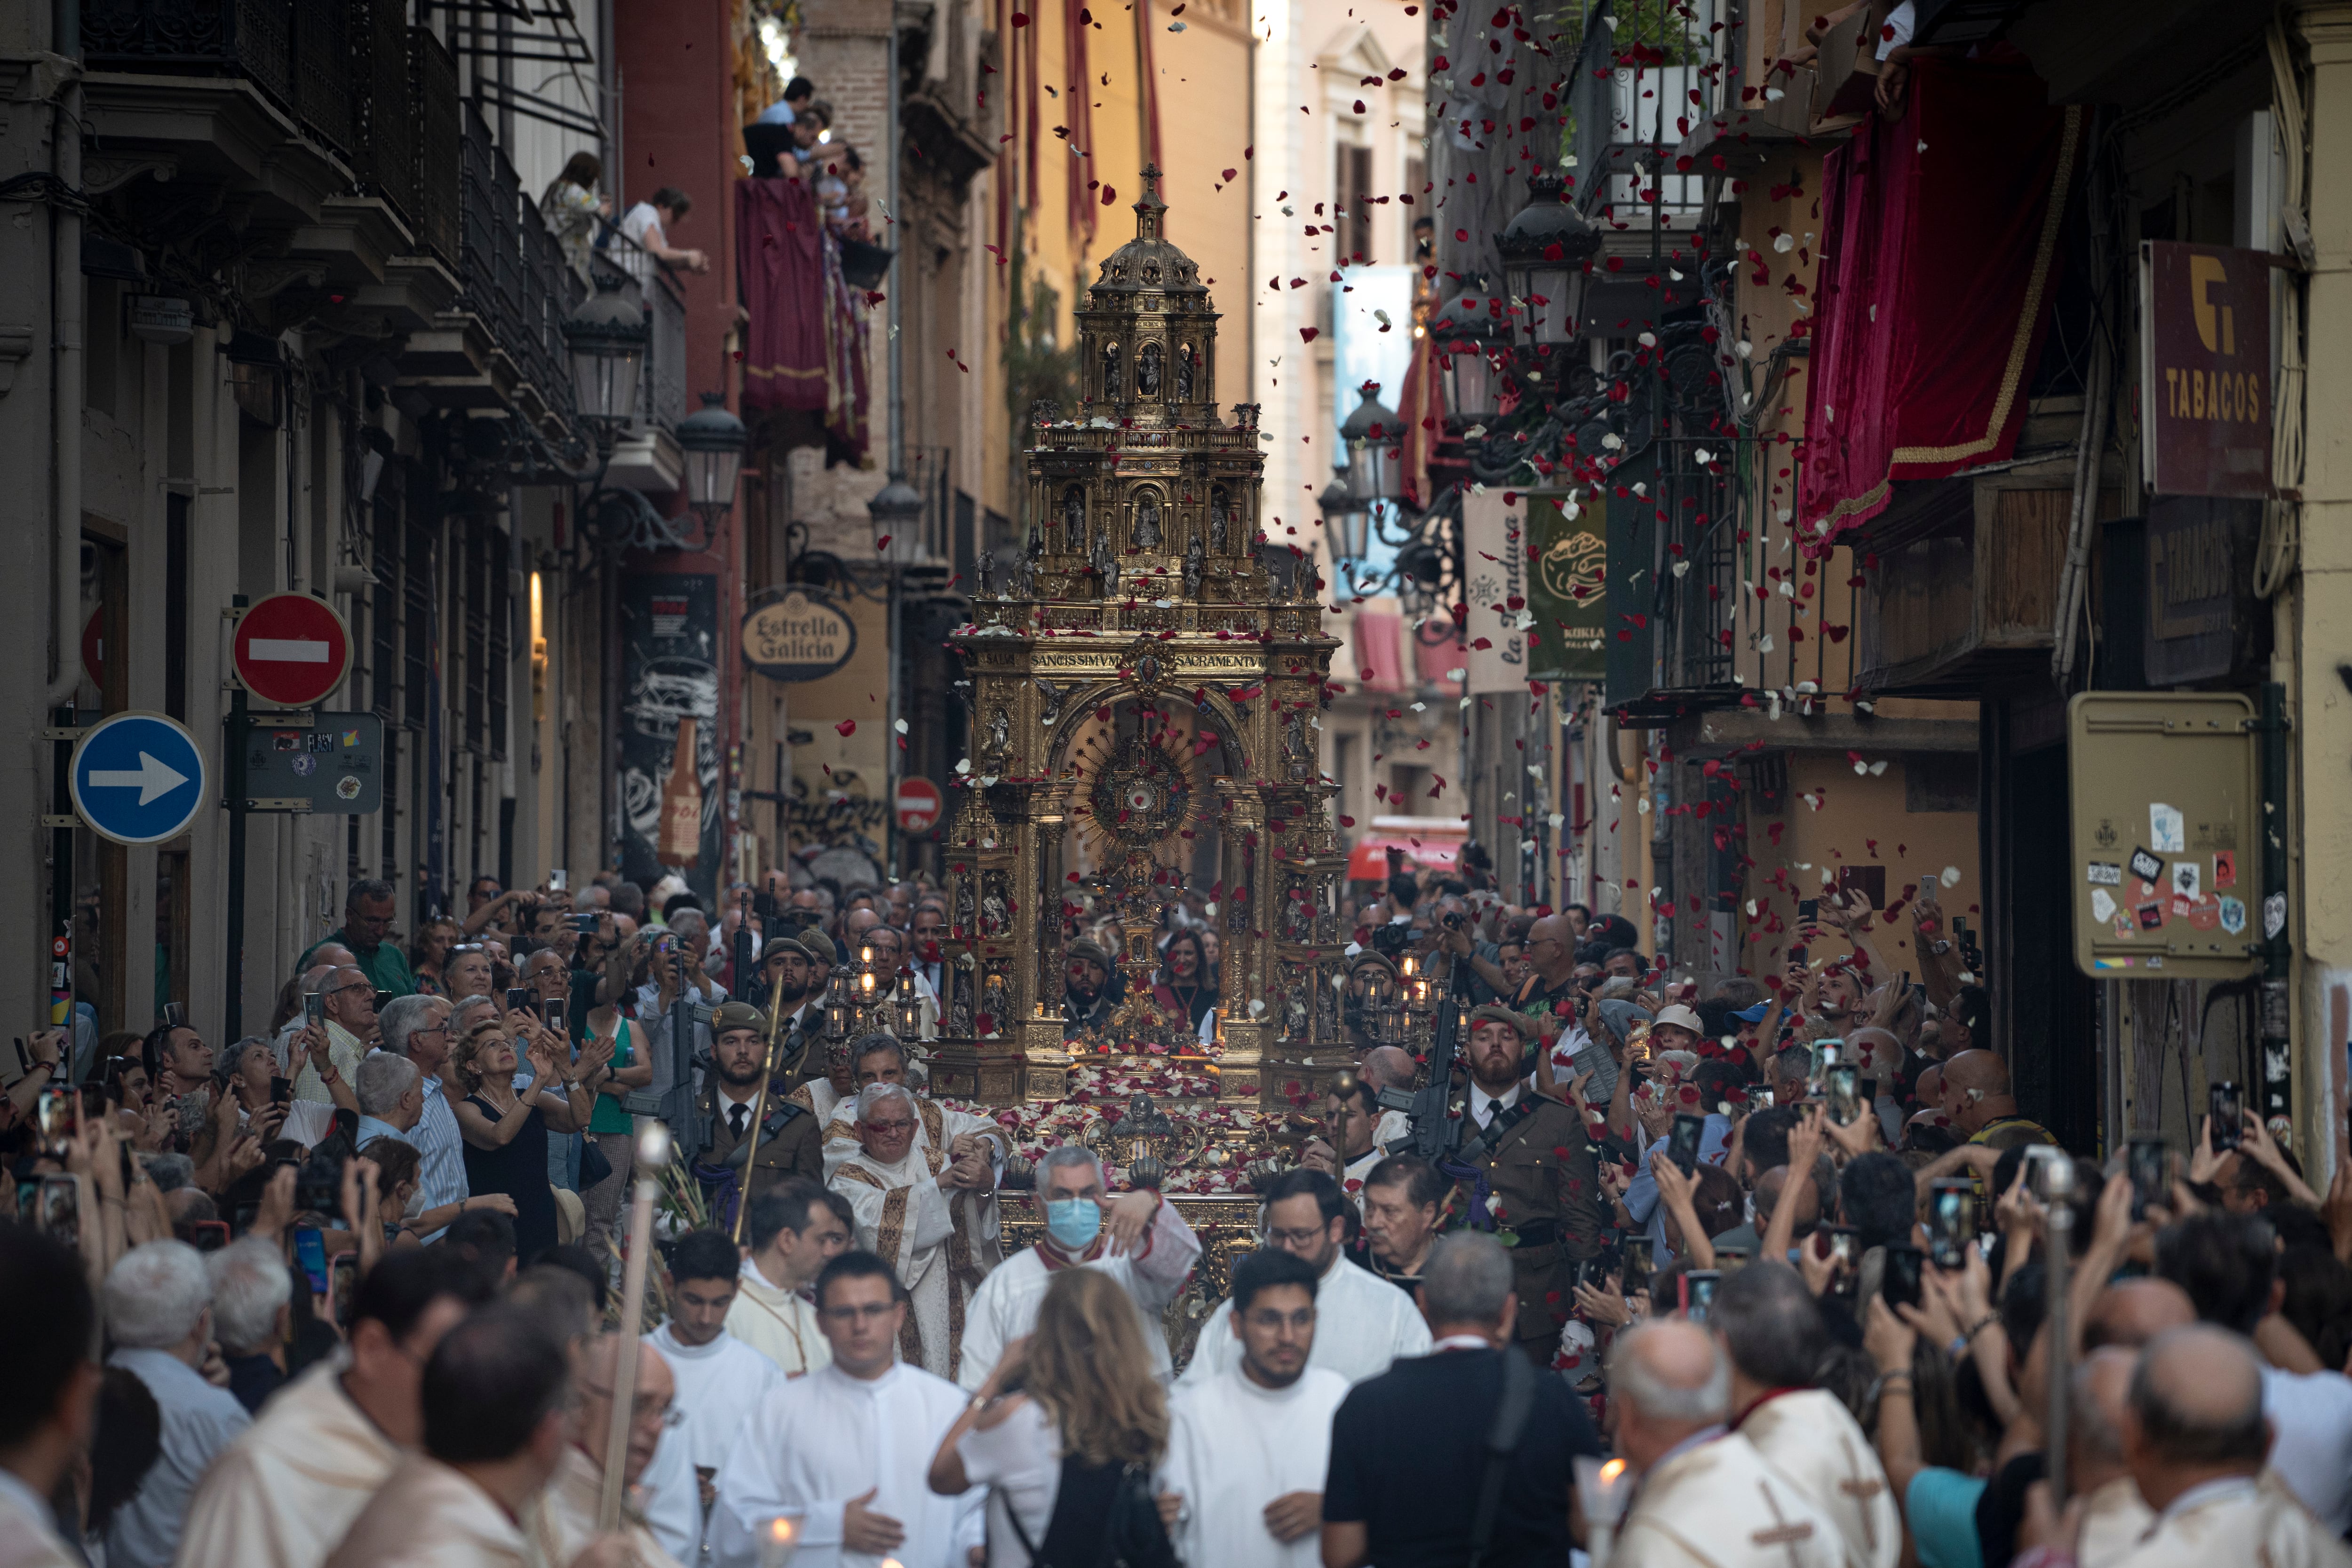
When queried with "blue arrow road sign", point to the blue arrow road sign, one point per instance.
{"points": [[138, 779]]}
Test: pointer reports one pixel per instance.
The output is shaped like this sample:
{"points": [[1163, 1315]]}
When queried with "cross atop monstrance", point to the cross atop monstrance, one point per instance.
{"points": [[1144, 697]]}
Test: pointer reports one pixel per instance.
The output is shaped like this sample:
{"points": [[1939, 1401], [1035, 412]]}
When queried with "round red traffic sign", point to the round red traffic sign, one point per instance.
{"points": [[917, 804], [292, 650]]}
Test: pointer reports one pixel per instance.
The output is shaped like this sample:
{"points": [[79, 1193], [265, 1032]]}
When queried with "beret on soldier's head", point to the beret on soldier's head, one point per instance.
{"points": [[735, 1015], [1494, 1012]]}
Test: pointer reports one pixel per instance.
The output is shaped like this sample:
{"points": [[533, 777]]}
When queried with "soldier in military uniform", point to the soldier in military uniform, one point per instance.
{"points": [[787, 1134], [1087, 995], [1532, 1163]]}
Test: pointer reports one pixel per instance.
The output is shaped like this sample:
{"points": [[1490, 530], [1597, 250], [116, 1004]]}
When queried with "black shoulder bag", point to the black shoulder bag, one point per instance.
{"points": [[1511, 1412], [1109, 1506]]}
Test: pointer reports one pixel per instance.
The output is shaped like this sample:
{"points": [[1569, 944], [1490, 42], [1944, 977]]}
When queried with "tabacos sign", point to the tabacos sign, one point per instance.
{"points": [[2205, 369], [798, 636]]}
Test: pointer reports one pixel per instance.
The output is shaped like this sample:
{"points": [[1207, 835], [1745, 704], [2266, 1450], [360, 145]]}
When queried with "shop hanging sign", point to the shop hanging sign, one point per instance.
{"points": [[1494, 563], [798, 636], [1568, 543], [2205, 369]]}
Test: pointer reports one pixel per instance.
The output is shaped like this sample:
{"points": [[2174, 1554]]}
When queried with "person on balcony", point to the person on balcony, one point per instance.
{"points": [[646, 227], [572, 207]]}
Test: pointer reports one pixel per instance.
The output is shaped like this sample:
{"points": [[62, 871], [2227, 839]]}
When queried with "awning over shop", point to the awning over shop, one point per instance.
{"points": [[1380, 666], [1432, 841]]}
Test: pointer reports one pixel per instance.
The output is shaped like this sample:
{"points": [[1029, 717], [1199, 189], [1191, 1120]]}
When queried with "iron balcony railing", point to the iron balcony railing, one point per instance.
{"points": [[511, 270], [1649, 72]]}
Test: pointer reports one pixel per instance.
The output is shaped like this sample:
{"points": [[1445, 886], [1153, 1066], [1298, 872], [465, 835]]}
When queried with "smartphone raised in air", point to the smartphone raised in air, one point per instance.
{"points": [[1682, 1144], [2146, 1159], [311, 1254], [1900, 1284], [1951, 1221], [2225, 1102], [1843, 1087], [1696, 1293]]}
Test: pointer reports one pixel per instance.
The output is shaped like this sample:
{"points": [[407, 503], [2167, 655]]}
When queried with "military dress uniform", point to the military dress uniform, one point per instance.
{"points": [[1543, 1190], [789, 1140]]}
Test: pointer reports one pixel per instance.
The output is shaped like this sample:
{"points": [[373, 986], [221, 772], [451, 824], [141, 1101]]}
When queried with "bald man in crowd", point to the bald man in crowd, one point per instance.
{"points": [[2195, 1439], [1705, 1498], [2130, 1312], [1977, 1097]]}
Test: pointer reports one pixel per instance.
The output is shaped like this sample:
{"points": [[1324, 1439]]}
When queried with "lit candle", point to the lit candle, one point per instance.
{"points": [[779, 1541]]}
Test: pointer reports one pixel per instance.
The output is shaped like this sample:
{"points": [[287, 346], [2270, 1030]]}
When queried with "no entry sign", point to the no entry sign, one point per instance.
{"points": [[916, 803], [292, 650]]}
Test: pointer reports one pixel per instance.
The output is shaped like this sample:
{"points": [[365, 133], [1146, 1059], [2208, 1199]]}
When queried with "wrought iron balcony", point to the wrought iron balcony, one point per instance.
{"points": [[1647, 73], [253, 39]]}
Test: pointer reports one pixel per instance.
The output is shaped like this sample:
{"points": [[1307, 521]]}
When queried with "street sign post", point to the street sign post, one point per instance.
{"points": [[292, 649], [138, 779], [916, 803], [320, 763]]}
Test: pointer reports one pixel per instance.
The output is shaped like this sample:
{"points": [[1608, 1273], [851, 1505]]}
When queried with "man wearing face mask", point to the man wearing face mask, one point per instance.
{"points": [[1137, 1238]]}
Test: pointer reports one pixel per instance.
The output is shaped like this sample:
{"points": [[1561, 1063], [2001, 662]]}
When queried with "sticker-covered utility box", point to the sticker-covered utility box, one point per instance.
{"points": [[2167, 807]]}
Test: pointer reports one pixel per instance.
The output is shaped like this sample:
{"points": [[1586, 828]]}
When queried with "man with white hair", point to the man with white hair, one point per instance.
{"points": [[252, 1295], [883, 1058], [1137, 1238], [934, 1218], [159, 1313], [1704, 1497], [391, 1097]]}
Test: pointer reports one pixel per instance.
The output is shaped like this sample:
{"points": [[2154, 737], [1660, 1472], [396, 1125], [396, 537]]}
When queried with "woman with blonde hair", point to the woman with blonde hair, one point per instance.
{"points": [[1065, 1433], [505, 1124], [572, 207]]}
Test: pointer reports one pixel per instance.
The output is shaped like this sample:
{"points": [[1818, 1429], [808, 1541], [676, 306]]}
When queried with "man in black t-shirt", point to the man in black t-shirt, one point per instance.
{"points": [[1410, 1503]]}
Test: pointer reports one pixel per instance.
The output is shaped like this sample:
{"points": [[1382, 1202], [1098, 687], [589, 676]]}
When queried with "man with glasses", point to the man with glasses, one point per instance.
{"points": [[848, 1450], [419, 1029], [1362, 1324], [564, 1525], [367, 925], [1247, 1449], [933, 1216], [350, 1001]]}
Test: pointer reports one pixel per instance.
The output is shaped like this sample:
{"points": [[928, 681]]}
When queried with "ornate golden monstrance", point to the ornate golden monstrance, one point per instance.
{"points": [[1144, 687]]}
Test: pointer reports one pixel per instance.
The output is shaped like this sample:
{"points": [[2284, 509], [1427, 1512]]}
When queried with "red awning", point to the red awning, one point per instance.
{"points": [[1940, 258]]}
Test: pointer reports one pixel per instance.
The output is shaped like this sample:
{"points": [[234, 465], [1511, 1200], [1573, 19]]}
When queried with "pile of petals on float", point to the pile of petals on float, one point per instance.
{"points": [[1101, 1093]]}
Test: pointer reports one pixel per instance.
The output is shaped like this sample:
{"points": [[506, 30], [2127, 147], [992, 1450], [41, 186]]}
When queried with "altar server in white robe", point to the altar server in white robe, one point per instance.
{"points": [[282, 1495], [933, 1218], [1773, 1333], [721, 1380], [2195, 1437], [794, 1229], [1702, 1497], [1362, 1324], [845, 1449], [1138, 1239], [1248, 1448], [881, 1058]]}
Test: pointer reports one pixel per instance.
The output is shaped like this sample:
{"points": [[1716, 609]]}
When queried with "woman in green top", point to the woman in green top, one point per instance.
{"points": [[610, 1126]]}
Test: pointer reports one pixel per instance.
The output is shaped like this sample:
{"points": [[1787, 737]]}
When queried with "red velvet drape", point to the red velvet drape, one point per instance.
{"points": [[1939, 258], [779, 256]]}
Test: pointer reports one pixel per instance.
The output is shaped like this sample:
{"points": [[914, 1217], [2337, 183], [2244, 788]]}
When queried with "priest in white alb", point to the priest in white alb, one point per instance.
{"points": [[793, 1229], [1773, 1332], [1248, 1448], [1703, 1496], [1362, 1324], [881, 1058], [282, 1495], [934, 1218], [1137, 1238], [563, 1523], [2195, 1439], [845, 1452]]}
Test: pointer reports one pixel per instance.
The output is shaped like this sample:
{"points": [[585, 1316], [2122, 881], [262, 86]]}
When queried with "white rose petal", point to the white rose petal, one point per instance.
{"points": [[1784, 244], [1951, 877]]}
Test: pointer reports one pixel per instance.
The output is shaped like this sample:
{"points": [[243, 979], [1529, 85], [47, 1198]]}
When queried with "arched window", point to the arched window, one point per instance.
{"points": [[1147, 518], [1074, 520]]}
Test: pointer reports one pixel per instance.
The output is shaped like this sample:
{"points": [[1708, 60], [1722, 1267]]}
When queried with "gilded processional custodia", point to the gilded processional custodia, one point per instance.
{"points": [[1144, 685]]}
